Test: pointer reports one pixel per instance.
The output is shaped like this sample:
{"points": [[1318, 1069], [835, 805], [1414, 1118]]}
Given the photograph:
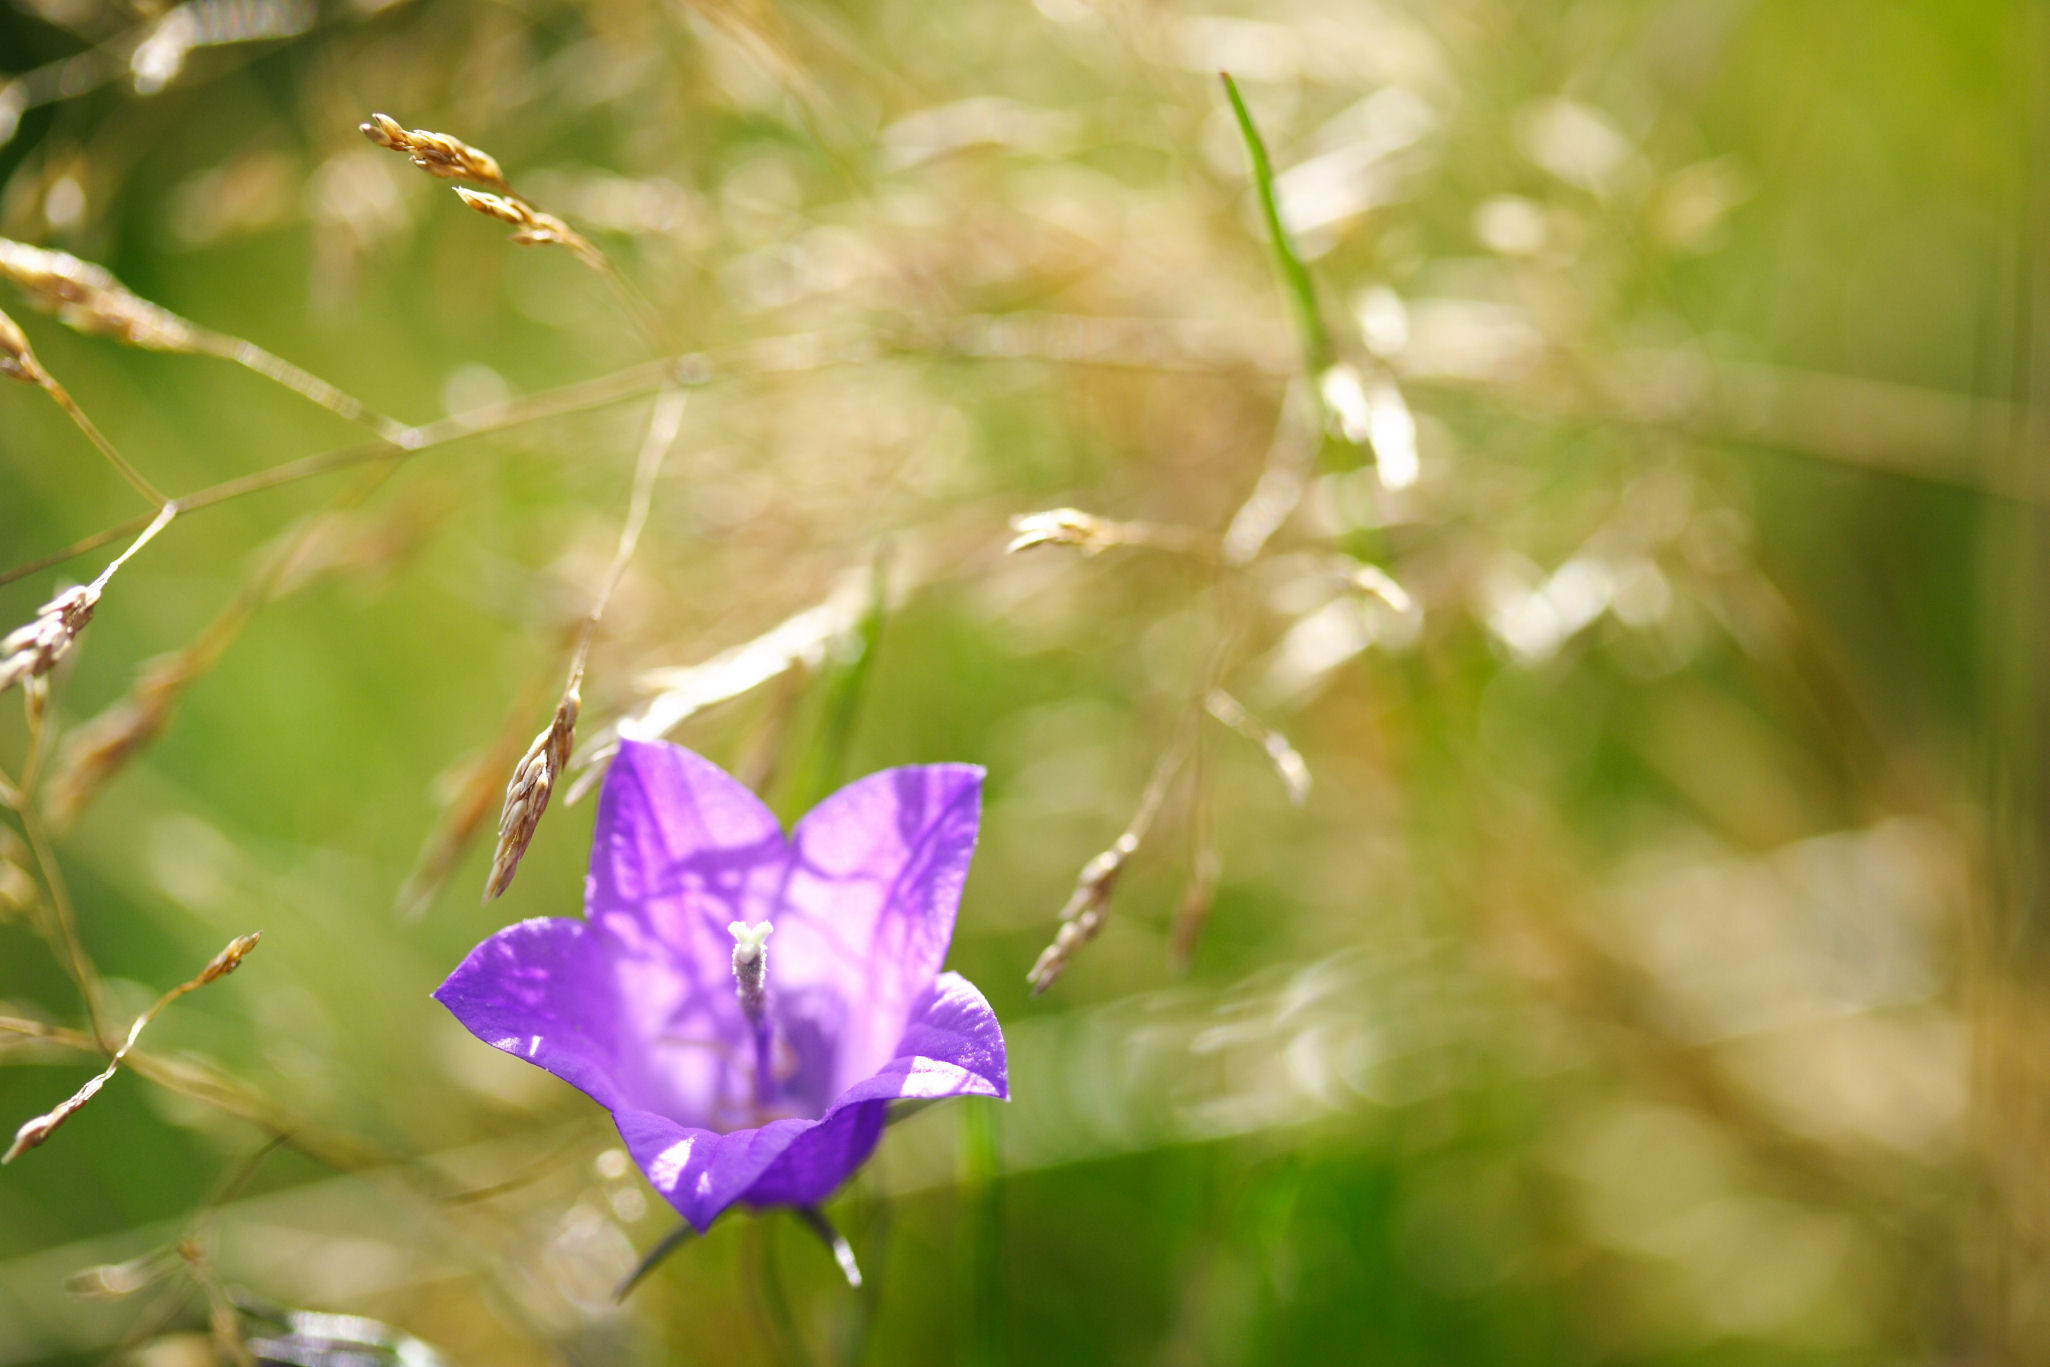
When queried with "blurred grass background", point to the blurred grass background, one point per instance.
{"points": [[1654, 972]]}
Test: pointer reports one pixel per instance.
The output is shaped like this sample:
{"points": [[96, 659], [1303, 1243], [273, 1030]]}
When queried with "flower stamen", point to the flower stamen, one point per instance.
{"points": [[751, 985], [751, 965]]}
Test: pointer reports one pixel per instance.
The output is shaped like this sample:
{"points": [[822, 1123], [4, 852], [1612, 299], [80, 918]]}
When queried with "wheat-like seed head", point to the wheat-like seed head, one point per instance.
{"points": [[1083, 916], [533, 227], [89, 298], [437, 154], [97, 749], [33, 649], [526, 797]]}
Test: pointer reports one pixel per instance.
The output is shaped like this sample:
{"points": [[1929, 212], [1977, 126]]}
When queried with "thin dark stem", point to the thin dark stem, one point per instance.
{"points": [[64, 921], [99, 439]]}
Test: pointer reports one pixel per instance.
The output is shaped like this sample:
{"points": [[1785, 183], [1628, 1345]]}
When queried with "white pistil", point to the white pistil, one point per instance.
{"points": [[751, 965]]}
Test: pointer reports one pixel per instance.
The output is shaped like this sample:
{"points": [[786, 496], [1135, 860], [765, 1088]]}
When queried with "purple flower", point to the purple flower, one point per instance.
{"points": [[739, 1068]]}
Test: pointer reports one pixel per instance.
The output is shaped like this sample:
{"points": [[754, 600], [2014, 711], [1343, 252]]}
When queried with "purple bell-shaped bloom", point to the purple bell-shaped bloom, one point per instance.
{"points": [[740, 1067]]}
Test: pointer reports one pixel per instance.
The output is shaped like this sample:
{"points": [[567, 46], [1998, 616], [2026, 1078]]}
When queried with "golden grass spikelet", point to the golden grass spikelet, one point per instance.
{"points": [[229, 959], [437, 154], [1083, 916], [526, 797], [96, 750], [41, 1127], [533, 228], [89, 298], [33, 649]]}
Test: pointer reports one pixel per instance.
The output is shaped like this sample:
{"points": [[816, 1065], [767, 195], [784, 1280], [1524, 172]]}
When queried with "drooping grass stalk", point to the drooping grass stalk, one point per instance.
{"points": [[63, 925], [304, 383], [63, 399], [87, 297], [543, 767], [39, 1129]]}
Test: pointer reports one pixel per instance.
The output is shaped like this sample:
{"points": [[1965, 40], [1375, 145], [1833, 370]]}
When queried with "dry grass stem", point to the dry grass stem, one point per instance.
{"points": [[534, 228], [437, 154], [450, 158], [1287, 760], [18, 361], [37, 1130], [60, 926], [1089, 905], [32, 650], [547, 759], [531, 227], [1093, 535], [98, 749], [189, 1077], [526, 797], [663, 426], [474, 794], [87, 297]]}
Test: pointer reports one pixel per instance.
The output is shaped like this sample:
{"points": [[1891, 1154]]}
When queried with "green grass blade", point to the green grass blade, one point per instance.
{"points": [[1295, 276]]}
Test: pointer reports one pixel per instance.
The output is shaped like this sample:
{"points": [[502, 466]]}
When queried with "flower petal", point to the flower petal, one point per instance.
{"points": [[542, 990], [681, 848], [875, 881], [953, 1048], [702, 1173]]}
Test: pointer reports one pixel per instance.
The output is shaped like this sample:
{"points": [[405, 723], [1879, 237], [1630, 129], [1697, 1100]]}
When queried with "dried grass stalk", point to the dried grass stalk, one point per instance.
{"points": [[18, 361], [35, 1131], [532, 227], [1083, 916], [526, 797], [32, 650], [1089, 905], [450, 158], [437, 154], [97, 750], [473, 794], [87, 297], [1093, 535], [1287, 760], [100, 748], [534, 779]]}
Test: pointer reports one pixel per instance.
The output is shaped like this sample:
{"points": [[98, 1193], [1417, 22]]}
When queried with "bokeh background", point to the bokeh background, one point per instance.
{"points": [[1653, 972]]}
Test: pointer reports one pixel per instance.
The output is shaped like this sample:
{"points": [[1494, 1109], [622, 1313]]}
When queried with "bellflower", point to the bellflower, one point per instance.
{"points": [[741, 1067]]}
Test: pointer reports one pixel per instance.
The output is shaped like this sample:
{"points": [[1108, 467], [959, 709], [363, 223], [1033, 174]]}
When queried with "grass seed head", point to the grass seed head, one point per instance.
{"points": [[532, 228], [437, 154], [33, 649], [89, 298], [526, 797]]}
